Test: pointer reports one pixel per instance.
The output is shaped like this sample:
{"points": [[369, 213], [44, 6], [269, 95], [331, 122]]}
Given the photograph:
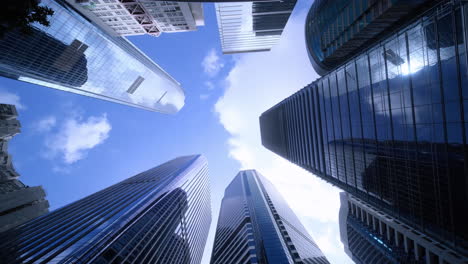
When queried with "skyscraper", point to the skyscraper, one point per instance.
{"points": [[158, 216], [18, 202], [76, 55], [371, 236], [252, 26], [390, 126], [335, 30], [138, 17], [256, 225]]}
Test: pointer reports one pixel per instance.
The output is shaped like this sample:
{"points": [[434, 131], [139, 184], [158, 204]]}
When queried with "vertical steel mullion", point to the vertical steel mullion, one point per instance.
{"points": [[444, 120], [313, 124], [291, 129], [318, 129], [462, 114], [358, 90], [297, 129], [326, 130], [349, 121], [333, 130], [288, 134], [300, 126], [371, 88], [392, 180], [300, 138], [307, 124], [341, 124]]}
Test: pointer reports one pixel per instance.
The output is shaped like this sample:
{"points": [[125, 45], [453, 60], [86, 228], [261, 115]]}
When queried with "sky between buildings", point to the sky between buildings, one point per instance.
{"points": [[75, 145]]}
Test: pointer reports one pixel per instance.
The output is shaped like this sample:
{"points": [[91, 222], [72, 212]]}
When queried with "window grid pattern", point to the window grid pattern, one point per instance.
{"points": [[75, 55], [252, 26], [391, 125], [159, 216], [256, 225], [371, 236], [336, 29]]}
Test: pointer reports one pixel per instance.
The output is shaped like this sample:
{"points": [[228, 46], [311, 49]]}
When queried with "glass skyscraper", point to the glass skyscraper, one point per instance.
{"points": [[371, 236], [256, 225], [390, 125], [336, 29], [159, 216], [76, 55], [252, 26]]}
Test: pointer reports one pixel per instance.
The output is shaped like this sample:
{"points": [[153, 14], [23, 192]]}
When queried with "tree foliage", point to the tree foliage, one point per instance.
{"points": [[20, 14]]}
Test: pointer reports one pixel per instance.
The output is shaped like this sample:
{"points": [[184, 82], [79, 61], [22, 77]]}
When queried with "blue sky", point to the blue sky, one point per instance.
{"points": [[75, 145]]}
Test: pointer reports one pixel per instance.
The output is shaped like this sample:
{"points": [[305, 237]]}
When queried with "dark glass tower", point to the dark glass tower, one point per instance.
{"points": [[371, 236], [159, 216], [256, 225], [77, 55], [390, 126], [336, 29]]}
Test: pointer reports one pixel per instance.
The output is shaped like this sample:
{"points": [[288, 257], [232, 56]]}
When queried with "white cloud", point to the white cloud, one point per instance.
{"points": [[11, 98], [212, 63], [77, 136], [256, 82], [46, 124]]}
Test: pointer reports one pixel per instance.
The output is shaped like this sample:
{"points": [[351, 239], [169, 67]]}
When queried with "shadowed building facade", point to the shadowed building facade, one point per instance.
{"points": [[159, 216], [18, 202], [77, 55], [256, 225], [390, 126], [371, 236]]}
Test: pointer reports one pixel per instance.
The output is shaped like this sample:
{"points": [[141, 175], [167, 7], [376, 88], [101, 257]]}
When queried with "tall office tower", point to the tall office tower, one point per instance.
{"points": [[252, 26], [138, 17], [336, 30], [18, 202], [390, 126], [158, 216], [371, 236], [256, 225], [76, 55]]}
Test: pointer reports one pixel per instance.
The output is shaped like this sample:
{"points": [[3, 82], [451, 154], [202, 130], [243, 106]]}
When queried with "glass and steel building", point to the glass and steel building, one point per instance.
{"points": [[158, 216], [138, 17], [371, 236], [390, 126], [336, 29], [256, 225], [18, 202], [76, 55], [252, 26]]}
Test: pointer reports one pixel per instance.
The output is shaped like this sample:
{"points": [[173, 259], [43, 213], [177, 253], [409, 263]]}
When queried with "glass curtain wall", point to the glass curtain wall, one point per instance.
{"points": [[162, 215], [391, 125], [75, 55]]}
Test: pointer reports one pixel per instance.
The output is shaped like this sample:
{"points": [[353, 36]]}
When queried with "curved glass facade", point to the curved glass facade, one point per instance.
{"points": [[391, 125], [336, 30], [256, 225], [75, 55], [159, 216]]}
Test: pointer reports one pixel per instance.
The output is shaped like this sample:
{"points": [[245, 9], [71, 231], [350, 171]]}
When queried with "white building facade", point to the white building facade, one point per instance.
{"points": [[138, 17]]}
